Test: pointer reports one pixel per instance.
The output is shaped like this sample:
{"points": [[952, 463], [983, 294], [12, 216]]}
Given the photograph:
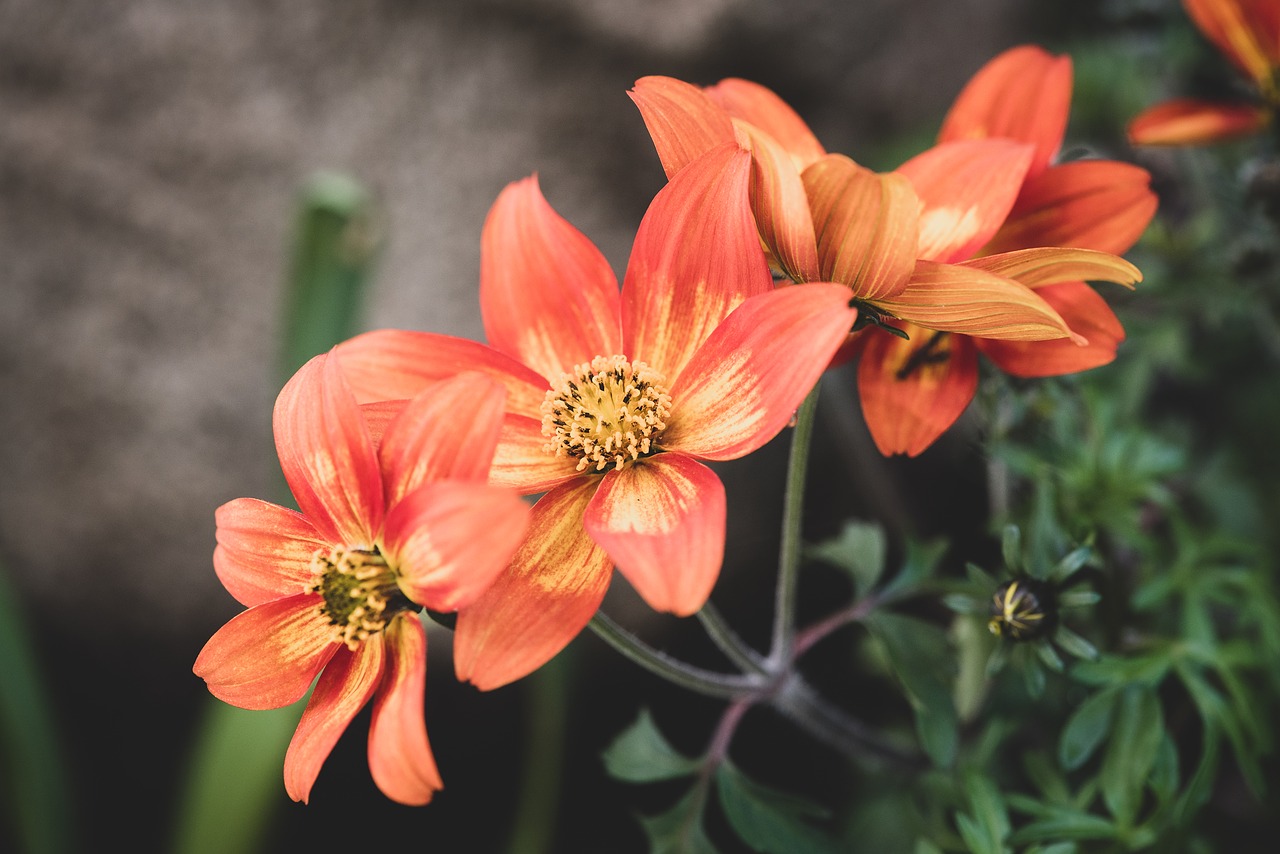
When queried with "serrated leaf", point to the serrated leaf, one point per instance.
{"points": [[859, 550], [770, 821], [1139, 728], [641, 755], [1086, 728], [913, 648], [679, 830]]}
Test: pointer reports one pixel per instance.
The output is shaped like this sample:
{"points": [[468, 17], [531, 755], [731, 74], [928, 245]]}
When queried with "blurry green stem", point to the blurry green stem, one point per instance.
{"points": [[746, 658], [792, 529], [673, 670]]}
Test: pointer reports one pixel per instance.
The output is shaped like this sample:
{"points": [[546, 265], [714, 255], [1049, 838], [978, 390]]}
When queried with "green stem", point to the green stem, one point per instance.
{"points": [[792, 522], [724, 637], [673, 670]]}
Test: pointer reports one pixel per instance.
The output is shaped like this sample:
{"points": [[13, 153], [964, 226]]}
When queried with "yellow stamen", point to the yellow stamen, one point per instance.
{"points": [[609, 412], [359, 590]]}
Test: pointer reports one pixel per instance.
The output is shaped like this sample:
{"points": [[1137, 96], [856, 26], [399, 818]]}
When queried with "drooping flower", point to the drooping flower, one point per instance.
{"points": [[1248, 33], [395, 515], [906, 242], [615, 398]]}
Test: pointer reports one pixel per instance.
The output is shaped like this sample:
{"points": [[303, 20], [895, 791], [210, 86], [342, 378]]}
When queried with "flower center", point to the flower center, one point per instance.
{"points": [[610, 412], [359, 591]]}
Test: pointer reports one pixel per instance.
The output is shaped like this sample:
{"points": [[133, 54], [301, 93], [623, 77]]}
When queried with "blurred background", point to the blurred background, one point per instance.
{"points": [[156, 163]]}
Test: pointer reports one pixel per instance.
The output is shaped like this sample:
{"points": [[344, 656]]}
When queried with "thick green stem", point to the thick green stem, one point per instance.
{"points": [[792, 532], [673, 670]]}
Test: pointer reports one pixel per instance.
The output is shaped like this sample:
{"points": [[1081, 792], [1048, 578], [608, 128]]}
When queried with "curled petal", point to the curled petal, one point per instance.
{"points": [[1246, 31], [683, 121], [451, 539], [555, 583], [1036, 268], [913, 390], [548, 296], [966, 190], [342, 690], [956, 298], [400, 757], [522, 461], [327, 454], [396, 364], [264, 551], [761, 107], [1089, 204], [781, 207], [1086, 313], [696, 257], [266, 657], [867, 226], [1022, 94], [747, 381], [447, 432], [1187, 121], [663, 523]]}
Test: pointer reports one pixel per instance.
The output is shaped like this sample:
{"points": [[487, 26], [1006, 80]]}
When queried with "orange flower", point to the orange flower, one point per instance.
{"points": [[396, 515], [614, 398], [905, 242], [1248, 33]]}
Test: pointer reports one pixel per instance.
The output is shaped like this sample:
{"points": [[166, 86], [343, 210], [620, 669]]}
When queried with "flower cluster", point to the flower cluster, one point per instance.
{"points": [[762, 262]]}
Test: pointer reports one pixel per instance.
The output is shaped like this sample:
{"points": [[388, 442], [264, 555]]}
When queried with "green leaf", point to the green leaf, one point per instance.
{"points": [[769, 821], [334, 249], [1061, 824], [641, 755], [1139, 729], [859, 550], [1086, 728], [915, 651], [1011, 548], [924, 846], [30, 752], [919, 563], [988, 812], [1074, 644], [679, 830]]}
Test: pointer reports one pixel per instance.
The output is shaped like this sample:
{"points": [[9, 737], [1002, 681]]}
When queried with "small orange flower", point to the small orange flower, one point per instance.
{"points": [[615, 398], [396, 515], [906, 242], [1248, 33]]}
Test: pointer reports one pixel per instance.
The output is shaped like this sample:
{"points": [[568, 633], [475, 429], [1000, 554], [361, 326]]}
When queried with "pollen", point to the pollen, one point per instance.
{"points": [[359, 591], [609, 412]]}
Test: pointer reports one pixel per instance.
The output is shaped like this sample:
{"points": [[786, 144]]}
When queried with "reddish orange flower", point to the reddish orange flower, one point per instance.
{"points": [[1248, 33], [906, 242], [615, 398], [395, 516]]}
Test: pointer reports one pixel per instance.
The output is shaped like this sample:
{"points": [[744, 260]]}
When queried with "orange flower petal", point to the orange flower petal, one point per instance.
{"points": [[747, 381], [264, 551], [1090, 204], [451, 539], [395, 364], [378, 417], [521, 463], [1086, 313], [696, 256], [867, 226], [448, 432], [966, 190], [912, 391], [663, 523], [760, 106], [548, 296], [399, 754], [327, 455], [1036, 268], [342, 690], [683, 121], [1022, 94], [267, 656], [1246, 31], [1186, 121], [781, 207], [554, 585], [955, 298]]}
